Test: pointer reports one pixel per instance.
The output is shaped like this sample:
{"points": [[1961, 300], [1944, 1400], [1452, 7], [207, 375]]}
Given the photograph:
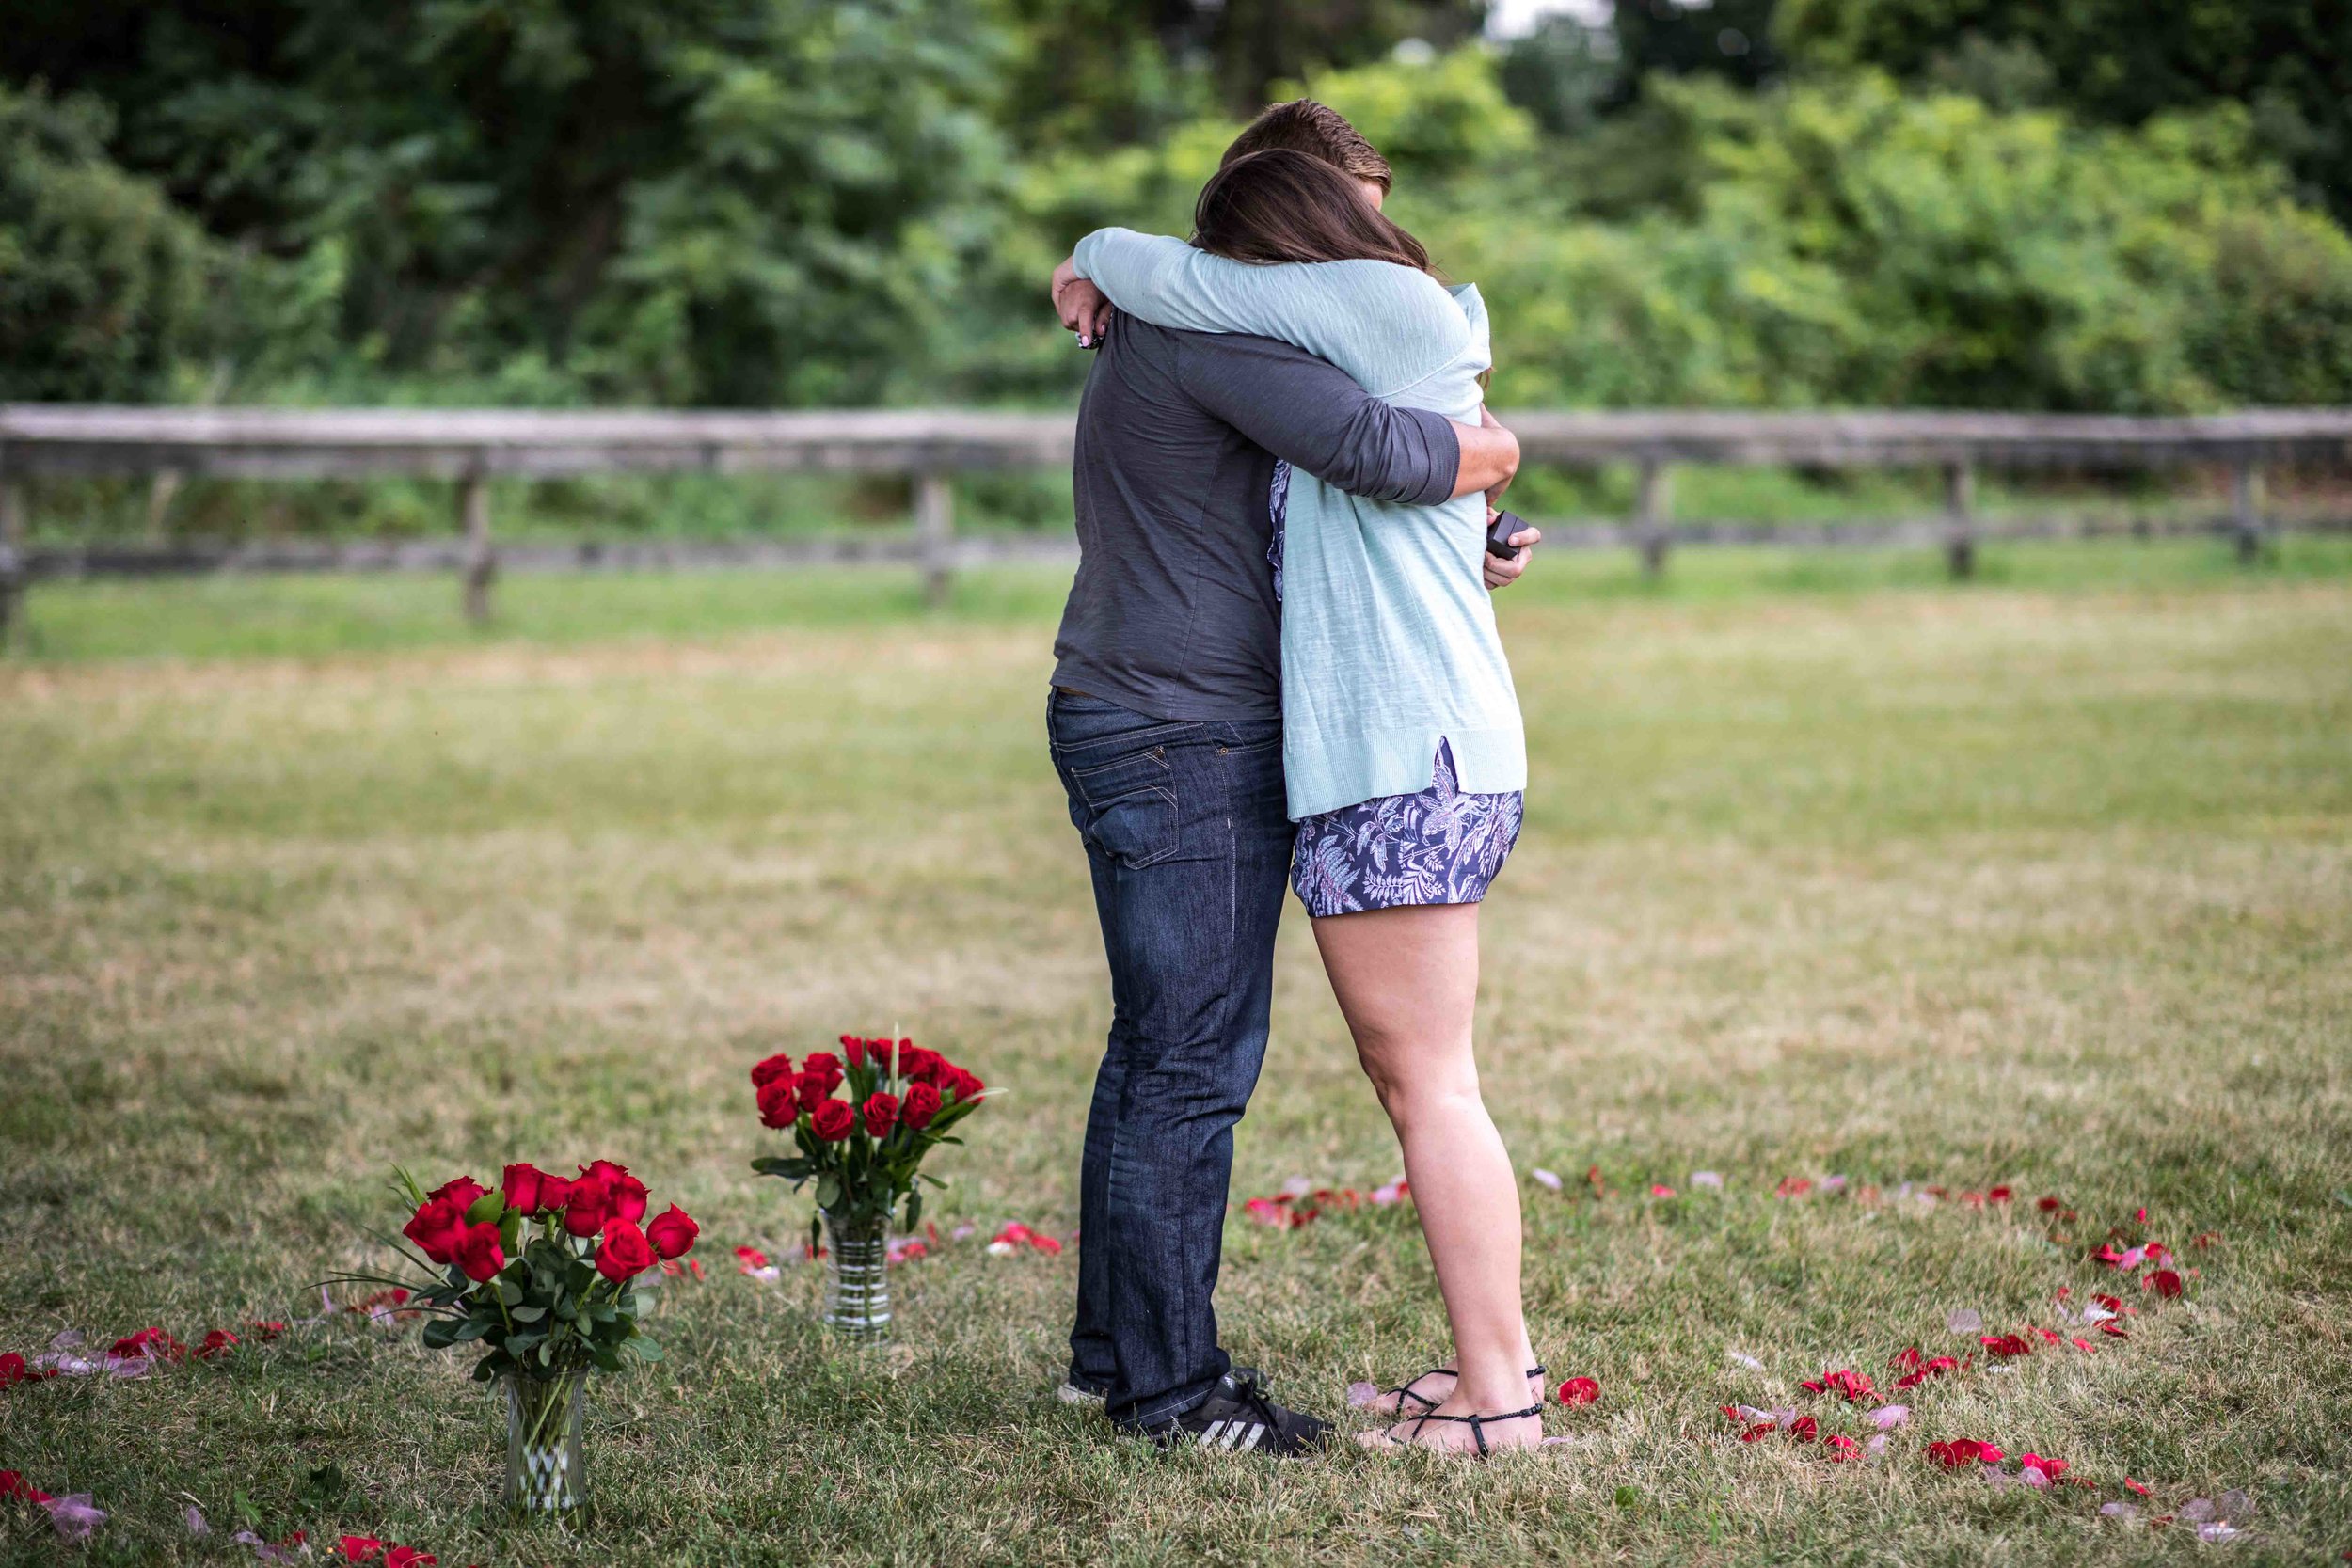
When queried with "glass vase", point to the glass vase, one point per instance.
{"points": [[546, 1470], [857, 1279]]}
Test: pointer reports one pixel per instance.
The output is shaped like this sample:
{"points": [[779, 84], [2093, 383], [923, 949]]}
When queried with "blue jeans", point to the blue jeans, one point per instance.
{"points": [[1190, 844]]}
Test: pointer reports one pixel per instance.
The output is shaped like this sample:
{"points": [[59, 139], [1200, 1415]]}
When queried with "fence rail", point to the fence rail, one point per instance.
{"points": [[470, 447]]}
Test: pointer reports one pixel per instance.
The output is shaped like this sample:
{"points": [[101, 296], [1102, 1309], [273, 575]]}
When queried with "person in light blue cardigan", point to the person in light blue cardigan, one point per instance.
{"points": [[1403, 755]]}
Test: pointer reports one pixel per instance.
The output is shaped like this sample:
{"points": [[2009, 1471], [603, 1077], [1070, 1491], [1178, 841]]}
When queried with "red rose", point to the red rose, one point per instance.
{"points": [[881, 1050], [673, 1234], [767, 1072], [461, 1191], [834, 1120], [882, 1113], [589, 1204], [813, 1091], [624, 1195], [854, 1049], [478, 1253], [779, 1101], [823, 1069], [437, 1227], [526, 1188], [915, 1064], [624, 1252], [967, 1086], [922, 1104]]}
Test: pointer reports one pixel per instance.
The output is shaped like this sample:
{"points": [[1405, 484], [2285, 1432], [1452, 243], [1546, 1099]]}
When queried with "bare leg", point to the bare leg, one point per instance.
{"points": [[1407, 981]]}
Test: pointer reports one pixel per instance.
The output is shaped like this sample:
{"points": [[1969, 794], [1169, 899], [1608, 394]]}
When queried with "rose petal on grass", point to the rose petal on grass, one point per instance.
{"points": [[193, 1518], [1750, 1362], [359, 1548], [1549, 1179], [2166, 1283], [2235, 1505], [1361, 1394], [1840, 1446], [1887, 1417], [2217, 1530], [1832, 1183], [2124, 1512], [1876, 1444], [1706, 1178], [1793, 1186], [1658, 1189], [1965, 1319], [2136, 1486], [74, 1516], [1297, 1186], [1579, 1390]]}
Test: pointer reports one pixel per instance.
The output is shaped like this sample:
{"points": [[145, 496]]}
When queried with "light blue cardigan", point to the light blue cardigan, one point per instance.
{"points": [[1389, 641]]}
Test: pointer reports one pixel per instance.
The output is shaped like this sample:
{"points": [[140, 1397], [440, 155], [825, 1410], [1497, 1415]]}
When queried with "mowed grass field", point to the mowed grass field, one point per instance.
{"points": [[2045, 882]]}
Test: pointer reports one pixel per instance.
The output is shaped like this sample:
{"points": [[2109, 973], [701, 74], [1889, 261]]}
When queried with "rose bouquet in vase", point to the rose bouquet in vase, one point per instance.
{"points": [[863, 1152], [544, 1274]]}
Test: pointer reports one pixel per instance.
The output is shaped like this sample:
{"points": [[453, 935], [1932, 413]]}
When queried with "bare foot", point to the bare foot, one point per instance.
{"points": [[1437, 1385], [1444, 1430]]}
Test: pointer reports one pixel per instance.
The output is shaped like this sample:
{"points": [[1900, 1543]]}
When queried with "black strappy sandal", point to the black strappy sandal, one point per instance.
{"points": [[1406, 1390], [1476, 1421]]}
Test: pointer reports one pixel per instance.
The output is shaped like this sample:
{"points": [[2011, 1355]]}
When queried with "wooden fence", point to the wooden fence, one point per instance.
{"points": [[471, 448]]}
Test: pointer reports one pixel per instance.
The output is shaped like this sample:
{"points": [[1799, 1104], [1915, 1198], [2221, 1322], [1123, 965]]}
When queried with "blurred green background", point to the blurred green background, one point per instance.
{"points": [[2076, 205]]}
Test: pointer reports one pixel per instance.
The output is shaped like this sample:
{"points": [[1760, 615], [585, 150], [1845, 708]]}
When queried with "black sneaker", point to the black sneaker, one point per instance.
{"points": [[1237, 1417]]}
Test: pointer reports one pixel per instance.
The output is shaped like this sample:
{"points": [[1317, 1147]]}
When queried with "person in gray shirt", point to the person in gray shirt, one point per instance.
{"points": [[1165, 724]]}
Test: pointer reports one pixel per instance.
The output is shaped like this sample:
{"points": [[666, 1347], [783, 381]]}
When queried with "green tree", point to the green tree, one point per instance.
{"points": [[103, 284], [2121, 61]]}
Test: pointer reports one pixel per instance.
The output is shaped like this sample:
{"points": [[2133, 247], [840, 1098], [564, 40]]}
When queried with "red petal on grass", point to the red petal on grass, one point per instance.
{"points": [[1792, 1186], [2114, 1329], [2165, 1283], [409, 1557], [2048, 1204], [359, 1548], [1658, 1189], [1997, 1194], [1579, 1390], [1840, 1446], [2050, 1468], [1805, 1429], [2205, 1239], [2083, 1345], [12, 1369], [2141, 1215], [1592, 1180], [1906, 1359], [2005, 1345], [215, 1341], [2135, 1486], [1761, 1429]]}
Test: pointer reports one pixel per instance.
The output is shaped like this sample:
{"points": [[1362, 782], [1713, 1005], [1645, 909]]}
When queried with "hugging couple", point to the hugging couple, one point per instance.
{"points": [[1278, 661]]}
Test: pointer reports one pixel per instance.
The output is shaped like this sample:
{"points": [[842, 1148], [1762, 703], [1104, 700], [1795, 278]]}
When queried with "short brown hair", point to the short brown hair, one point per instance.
{"points": [[1319, 131], [1281, 205]]}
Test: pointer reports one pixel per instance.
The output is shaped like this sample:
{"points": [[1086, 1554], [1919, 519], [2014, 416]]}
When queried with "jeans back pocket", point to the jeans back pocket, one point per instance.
{"points": [[1126, 807]]}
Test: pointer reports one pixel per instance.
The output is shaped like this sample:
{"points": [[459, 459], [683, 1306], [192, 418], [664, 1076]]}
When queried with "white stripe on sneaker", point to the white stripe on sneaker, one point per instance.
{"points": [[1256, 1433], [1208, 1437]]}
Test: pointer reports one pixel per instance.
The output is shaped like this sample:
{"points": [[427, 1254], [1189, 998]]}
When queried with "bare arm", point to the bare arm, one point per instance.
{"points": [[1491, 455]]}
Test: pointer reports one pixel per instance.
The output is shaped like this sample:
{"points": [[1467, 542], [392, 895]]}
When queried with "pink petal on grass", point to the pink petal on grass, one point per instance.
{"points": [[2124, 1512], [1359, 1395], [1750, 1362], [1888, 1416], [74, 1516], [1876, 1444], [1965, 1320], [193, 1518], [1547, 1179], [1706, 1178], [1391, 1191]]}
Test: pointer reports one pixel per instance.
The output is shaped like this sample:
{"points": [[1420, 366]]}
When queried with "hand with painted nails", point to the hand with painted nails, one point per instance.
{"points": [[1081, 305]]}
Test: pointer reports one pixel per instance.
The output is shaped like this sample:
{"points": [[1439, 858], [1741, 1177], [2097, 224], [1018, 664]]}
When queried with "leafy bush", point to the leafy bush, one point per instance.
{"points": [[103, 284]]}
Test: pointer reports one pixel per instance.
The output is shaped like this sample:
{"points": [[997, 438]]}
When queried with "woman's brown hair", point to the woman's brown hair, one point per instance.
{"points": [[1280, 205]]}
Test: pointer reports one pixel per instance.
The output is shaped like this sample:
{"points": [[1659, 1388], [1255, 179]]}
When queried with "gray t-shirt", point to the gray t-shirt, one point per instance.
{"points": [[1173, 611]]}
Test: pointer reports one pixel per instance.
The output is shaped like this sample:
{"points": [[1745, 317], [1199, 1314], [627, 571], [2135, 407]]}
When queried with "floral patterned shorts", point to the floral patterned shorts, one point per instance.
{"points": [[1438, 846]]}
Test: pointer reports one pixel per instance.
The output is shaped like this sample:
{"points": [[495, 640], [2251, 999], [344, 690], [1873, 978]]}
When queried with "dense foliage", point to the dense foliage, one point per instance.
{"points": [[799, 201]]}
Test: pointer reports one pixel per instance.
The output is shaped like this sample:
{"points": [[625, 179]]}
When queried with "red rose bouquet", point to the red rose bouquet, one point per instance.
{"points": [[861, 1124], [543, 1273]]}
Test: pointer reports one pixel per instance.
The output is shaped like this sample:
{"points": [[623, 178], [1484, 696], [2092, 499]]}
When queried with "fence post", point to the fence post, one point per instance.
{"points": [[12, 572], [1960, 501], [2246, 509], [934, 535], [1653, 495], [481, 562]]}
